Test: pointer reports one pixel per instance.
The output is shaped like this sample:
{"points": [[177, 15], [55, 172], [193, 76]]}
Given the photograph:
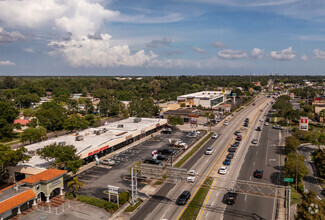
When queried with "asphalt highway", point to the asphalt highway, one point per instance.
{"points": [[162, 205]]}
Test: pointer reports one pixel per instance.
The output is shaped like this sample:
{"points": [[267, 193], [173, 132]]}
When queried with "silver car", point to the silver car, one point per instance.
{"points": [[109, 162]]}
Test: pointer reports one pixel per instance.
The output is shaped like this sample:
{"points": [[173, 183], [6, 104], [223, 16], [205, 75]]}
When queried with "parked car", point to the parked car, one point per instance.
{"points": [[232, 149], [254, 141], [209, 151], [153, 161], [215, 136], [258, 128], [230, 155], [261, 119], [245, 124], [246, 119], [236, 143], [237, 132], [190, 179], [109, 162], [223, 170], [167, 131], [266, 124], [183, 198], [192, 172], [258, 173], [278, 127], [226, 123], [254, 104], [230, 197], [227, 162], [166, 151], [239, 138], [162, 157], [192, 135]]}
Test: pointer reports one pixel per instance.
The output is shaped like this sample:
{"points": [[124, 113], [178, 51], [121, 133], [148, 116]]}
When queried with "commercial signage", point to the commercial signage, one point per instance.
{"points": [[113, 189], [54, 183], [234, 94], [303, 123], [193, 116], [96, 151]]}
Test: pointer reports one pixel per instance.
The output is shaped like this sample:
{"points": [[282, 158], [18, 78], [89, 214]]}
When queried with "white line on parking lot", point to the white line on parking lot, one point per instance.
{"points": [[217, 194], [245, 197]]}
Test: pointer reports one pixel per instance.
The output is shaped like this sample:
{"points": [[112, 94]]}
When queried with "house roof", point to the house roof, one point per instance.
{"points": [[17, 200], [44, 176], [21, 121]]}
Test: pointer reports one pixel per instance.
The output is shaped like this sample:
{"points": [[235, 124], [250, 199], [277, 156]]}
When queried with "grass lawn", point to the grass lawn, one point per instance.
{"points": [[194, 207], [295, 196], [132, 208]]}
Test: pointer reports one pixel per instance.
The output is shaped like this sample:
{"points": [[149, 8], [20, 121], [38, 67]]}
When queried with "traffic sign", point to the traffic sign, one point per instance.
{"points": [[289, 180]]}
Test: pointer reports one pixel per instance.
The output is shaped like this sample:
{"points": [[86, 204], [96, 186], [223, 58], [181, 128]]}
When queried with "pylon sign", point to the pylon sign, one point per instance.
{"points": [[303, 123]]}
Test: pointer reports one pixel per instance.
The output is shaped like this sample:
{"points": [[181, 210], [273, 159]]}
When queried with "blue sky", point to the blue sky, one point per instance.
{"points": [[170, 37]]}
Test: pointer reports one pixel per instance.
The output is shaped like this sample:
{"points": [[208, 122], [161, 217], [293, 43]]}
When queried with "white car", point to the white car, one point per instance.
{"points": [[214, 136], [192, 172], [262, 119], [223, 170], [266, 124], [226, 123], [254, 141], [209, 151], [191, 179], [107, 162]]}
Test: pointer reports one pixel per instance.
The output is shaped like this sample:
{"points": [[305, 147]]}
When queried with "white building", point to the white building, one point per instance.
{"points": [[207, 99]]}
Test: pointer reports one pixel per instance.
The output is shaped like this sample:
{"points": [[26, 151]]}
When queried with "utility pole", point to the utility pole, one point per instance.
{"points": [[296, 168]]}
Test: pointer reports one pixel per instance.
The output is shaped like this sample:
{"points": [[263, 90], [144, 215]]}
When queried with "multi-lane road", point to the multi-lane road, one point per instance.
{"points": [[162, 205]]}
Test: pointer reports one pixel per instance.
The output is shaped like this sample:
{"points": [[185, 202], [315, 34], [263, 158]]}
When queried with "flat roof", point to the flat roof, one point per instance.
{"points": [[116, 132], [202, 94]]}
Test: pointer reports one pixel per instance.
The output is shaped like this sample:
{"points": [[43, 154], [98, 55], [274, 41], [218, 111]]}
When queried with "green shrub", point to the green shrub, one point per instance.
{"points": [[69, 195], [300, 188], [132, 208], [124, 197], [109, 206]]}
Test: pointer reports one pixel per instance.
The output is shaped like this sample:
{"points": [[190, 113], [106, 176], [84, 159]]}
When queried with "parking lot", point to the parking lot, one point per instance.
{"points": [[96, 178]]}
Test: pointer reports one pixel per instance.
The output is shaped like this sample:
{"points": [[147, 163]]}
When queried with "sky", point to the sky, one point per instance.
{"points": [[169, 37]]}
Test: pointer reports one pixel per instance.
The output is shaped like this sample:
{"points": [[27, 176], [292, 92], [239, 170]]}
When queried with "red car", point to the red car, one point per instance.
{"points": [[239, 138], [258, 173]]}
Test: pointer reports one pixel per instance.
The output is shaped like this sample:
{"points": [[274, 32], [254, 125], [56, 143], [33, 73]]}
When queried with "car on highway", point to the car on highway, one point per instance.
{"points": [[192, 172], [258, 173], [261, 119], [153, 161], [232, 149], [215, 136], [223, 170], [109, 162], [230, 197], [162, 157], [245, 124], [266, 124], [239, 138], [254, 141], [237, 132], [166, 151], [183, 198], [230, 155], [226, 123], [190, 179], [227, 162], [258, 128], [209, 151]]}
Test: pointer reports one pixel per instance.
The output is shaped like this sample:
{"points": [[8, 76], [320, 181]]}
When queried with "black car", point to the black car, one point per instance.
{"points": [[230, 198], [236, 143], [245, 124], [162, 157], [230, 155], [258, 173], [258, 128], [247, 120], [182, 199], [166, 151], [152, 161], [232, 149], [237, 132]]}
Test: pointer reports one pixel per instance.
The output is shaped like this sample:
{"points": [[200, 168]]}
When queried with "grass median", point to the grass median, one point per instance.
{"points": [[189, 154], [195, 205]]}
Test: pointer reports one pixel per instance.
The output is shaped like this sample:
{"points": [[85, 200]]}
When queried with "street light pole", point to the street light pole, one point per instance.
{"points": [[296, 168]]}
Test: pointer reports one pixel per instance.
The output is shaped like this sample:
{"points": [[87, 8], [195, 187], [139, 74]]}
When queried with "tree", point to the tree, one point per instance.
{"points": [[75, 122], [29, 112], [5, 130], [25, 100], [90, 118], [175, 120], [33, 134], [10, 157], [61, 156], [319, 161], [51, 116], [75, 185], [291, 144], [8, 111], [303, 208], [295, 163], [143, 107]]}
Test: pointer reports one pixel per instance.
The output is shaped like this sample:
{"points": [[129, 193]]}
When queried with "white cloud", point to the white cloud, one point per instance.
{"points": [[319, 54], [285, 54], [218, 44], [99, 53], [304, 57], [6, 63], [199, 50], [232, 54], [29, 50], [257, 53], [156, 43], [9, 37]]}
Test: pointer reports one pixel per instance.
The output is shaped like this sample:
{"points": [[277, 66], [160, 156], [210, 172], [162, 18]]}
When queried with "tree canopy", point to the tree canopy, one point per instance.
{"points": [[51, 116]]}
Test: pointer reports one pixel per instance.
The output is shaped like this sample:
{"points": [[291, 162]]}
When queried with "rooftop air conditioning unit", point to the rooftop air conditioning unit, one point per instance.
{"points": [[120, 126], [137, 120], [62, 143], [79, 138]]}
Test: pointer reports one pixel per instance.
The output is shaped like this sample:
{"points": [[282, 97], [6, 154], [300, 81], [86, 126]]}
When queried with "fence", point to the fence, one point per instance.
{"points": [[55, 210]]}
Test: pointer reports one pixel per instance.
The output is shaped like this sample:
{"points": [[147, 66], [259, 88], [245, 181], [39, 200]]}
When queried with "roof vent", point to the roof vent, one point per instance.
{"points": [[137, 120], [79, 138], [120, 126]]}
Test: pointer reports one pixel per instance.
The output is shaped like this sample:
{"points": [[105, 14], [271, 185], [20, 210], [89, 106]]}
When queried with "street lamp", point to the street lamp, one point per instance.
{"points": [[296, 168]]}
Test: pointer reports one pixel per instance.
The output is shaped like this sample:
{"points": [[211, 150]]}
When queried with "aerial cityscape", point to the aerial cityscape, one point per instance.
{"points": [[162, 110]]}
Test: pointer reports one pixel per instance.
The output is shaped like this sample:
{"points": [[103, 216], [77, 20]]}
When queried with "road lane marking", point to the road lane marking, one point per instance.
{"points": [[212, 203], [250, 178], [245, 197], [254, 163], [217, 194]]}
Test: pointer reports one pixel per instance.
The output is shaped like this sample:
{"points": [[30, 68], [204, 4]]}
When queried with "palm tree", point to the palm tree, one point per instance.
{"points": [[75, 185]]}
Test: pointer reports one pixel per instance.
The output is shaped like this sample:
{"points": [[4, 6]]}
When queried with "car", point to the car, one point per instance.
{"points": [[215, 136], [232, 149], [162, 157], [245, 124], [230, 155], [190, 179], [183, 198], [109, 162], [254, 104], [236, 143], [266, 124], [230, 197], [246, 119], [254, 141], [258, 173], [192, 135], [238, 138], [209, 151], [153, 161], [226, 161], [166, 151], [237, 132], [226, 123], [261, 119], [223, 170], [192, 172], [167, 131], [258, 128], [261, 109], [278, 127]]}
